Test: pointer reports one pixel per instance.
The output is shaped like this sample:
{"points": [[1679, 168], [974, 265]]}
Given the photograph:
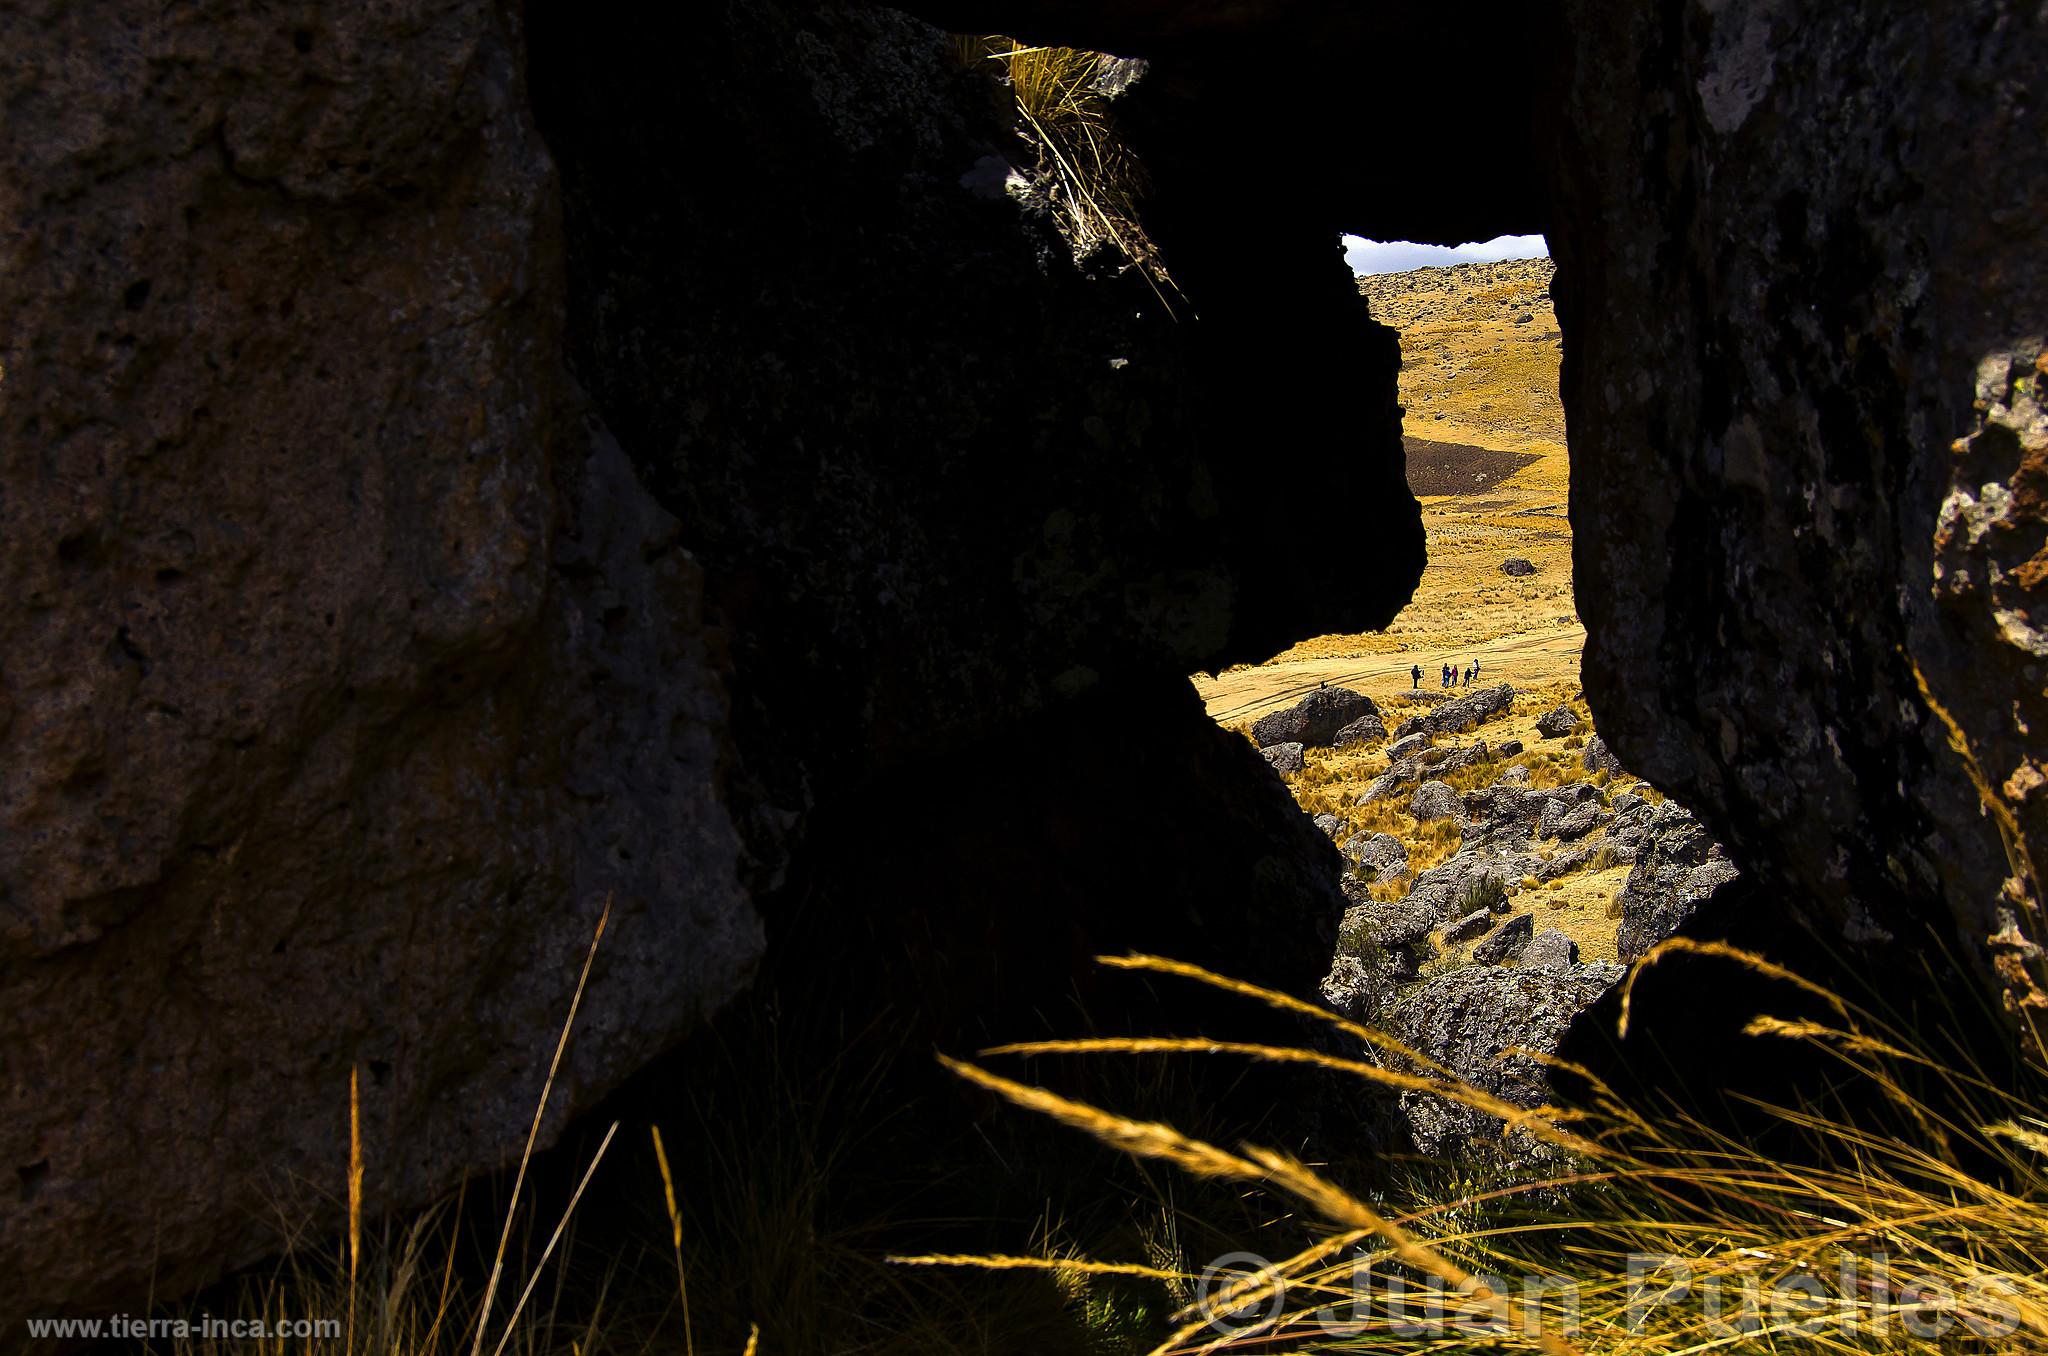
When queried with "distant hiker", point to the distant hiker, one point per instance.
{"points": [[1415, 675], [1475, 670]]}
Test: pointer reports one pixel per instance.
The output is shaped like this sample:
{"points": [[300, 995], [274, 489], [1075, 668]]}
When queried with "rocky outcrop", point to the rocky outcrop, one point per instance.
{"points": [[1462, 713], [1843, 208], [1318, 719], [355, 654], [1677, 869], [1486, 1023], [1557, 722], [349, 667]]}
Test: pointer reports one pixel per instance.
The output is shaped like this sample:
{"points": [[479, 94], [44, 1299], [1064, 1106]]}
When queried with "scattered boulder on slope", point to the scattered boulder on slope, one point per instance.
{"points": [[1364, 730], [1557, 722], [1518, 566], [1381, 853], [1550, 949], [1436, 800], [1315, 719], [1462, 714], [1507, 942], [1599, 758], [1284, 758]]}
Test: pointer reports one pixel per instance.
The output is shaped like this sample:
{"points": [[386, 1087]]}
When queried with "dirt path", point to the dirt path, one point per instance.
{"points": [[1532, 659]]}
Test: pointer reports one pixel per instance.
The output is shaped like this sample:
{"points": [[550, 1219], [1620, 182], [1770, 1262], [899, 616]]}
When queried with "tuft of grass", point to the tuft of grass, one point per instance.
{"points": [[1092, 180], [1925, 1233]]}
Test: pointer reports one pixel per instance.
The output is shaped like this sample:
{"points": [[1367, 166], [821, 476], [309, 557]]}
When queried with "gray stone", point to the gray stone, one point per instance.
{"points": [[1364, 730], [1468, 1020], [1509, 748], [1315, 719], [1507, 941], [1518, 566], [1597, 757], [1408, 746], [1375, 926], [1283, 758], [1381, 853], [1356, 988], [1678, 867], [1472, 925], [1581, 821], [1329, 824], [1435, 800], [1557, 722], [1380, 787], [1550, 950]]}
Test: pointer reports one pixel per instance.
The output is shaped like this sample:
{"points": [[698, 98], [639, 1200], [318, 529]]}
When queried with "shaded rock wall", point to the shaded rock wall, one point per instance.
{"points": [[345, 667], [1788, 235], [349, 666]]}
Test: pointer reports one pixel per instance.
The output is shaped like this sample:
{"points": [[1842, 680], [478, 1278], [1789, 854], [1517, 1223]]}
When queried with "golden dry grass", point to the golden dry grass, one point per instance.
{"points": [[1928, 1233]]}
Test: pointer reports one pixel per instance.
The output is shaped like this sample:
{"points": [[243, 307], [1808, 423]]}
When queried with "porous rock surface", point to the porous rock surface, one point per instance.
{"points": [[1797, 275], [456, 472]]}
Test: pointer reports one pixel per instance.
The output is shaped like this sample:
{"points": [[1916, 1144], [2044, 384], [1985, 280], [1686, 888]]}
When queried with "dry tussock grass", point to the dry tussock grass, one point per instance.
{"points": [[1954, 1191]]}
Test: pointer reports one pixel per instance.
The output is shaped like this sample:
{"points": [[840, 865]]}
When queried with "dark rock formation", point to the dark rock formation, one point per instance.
{"points": [[1557, 722], [1317, 719], [1507, 941], [351, 664], [348, 666], [1463, 713], [1516, 565], [1797, 256]]}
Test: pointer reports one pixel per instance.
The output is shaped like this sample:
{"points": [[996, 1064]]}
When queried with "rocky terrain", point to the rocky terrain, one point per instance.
{"points": [[1501, 869], [463, 463], [1502, 865]]}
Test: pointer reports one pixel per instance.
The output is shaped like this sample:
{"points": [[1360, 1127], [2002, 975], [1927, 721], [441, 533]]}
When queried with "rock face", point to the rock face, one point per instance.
{"points": [[353, 654], [1760, 588], [1317, 719], [348, 665], [1678, 867], [1466, 1019]]}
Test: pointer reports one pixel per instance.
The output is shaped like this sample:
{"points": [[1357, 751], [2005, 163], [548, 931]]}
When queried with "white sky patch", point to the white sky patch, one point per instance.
{"points": [[1399, 256]]}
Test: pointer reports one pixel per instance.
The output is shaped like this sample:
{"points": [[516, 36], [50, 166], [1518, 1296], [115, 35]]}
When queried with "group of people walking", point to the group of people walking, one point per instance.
{"points": [[1448, 676]]}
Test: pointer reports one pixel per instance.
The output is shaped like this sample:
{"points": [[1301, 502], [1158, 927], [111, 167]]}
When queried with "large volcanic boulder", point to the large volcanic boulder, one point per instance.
{"points": [[1799, 281], [348, 666], [1486, 1024], [1317, 719], [354, 655]]}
